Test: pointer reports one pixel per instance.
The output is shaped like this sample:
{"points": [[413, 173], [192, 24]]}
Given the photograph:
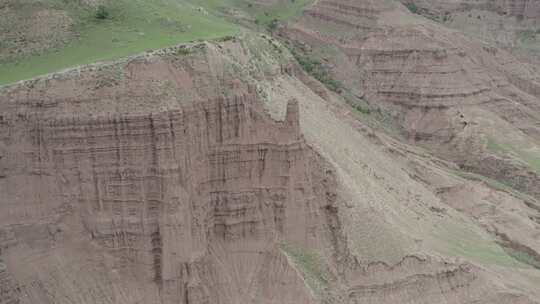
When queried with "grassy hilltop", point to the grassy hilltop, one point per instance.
{"points": [[43, 36]]}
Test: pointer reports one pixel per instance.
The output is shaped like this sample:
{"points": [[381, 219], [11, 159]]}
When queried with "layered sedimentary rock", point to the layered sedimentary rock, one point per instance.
{"points": [[404, 61], [348, 14], [375, 266], [522, 9], [8, 288], [464, 100], [510, 25], [442, 87], [194, 196], [413, 277], [163, 178]]}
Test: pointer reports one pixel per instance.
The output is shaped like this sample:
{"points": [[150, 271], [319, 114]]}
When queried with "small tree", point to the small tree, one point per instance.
{"points": [[102, 13]]}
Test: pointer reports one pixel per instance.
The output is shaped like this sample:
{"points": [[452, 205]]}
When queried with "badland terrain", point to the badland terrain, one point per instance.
{"points": [[269, 151]]}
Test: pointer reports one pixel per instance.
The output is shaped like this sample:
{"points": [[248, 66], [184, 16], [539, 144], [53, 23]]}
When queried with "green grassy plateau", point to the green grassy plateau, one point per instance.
{"points": [[133, 26]]}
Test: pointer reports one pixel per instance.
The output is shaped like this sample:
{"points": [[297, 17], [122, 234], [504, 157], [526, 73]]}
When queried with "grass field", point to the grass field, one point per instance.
{"points": [[523, 257], [527, 155], [311, 266], [464, 240], [133, 26]]}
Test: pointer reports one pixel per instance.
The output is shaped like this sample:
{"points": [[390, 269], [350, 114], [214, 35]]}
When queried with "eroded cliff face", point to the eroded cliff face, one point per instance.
{"points": [[189, 197], [213, 173], [510, 25], [447, 92], [463, 100], [522, 9]]}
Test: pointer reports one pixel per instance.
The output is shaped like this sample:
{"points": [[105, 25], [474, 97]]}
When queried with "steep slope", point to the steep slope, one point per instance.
{"points": [[392, 207], [512, 25], [528, 10], [215, 173], [467, 101], [162, 169]]}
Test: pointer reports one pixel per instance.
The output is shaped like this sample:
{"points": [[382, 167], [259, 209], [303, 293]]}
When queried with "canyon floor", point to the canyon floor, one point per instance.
{"points": [[278, 151]]}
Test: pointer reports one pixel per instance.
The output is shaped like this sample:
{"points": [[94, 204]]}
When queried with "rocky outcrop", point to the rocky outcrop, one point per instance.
{"points": [[432, 80], [163, 178], [8, 289], [522, 9], [410, 63], [195, 195], [409, 279], [347, 14]]}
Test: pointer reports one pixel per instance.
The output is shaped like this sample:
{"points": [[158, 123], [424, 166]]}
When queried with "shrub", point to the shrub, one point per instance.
{"points": [[227, 38], [102, 13], [183, 51], [362, 109], [413, 8], [273, 25], [318, 71]]}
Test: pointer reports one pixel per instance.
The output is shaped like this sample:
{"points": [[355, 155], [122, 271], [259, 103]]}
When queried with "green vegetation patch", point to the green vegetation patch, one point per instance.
{"points": [[413, 8], [495, 147], [464, 240], [523, 257], [528, 157], [528, 36], [102, 12], [363, 108], [316, 69], [263, 14], [120, 28], [495, 184], [310, 264]]}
